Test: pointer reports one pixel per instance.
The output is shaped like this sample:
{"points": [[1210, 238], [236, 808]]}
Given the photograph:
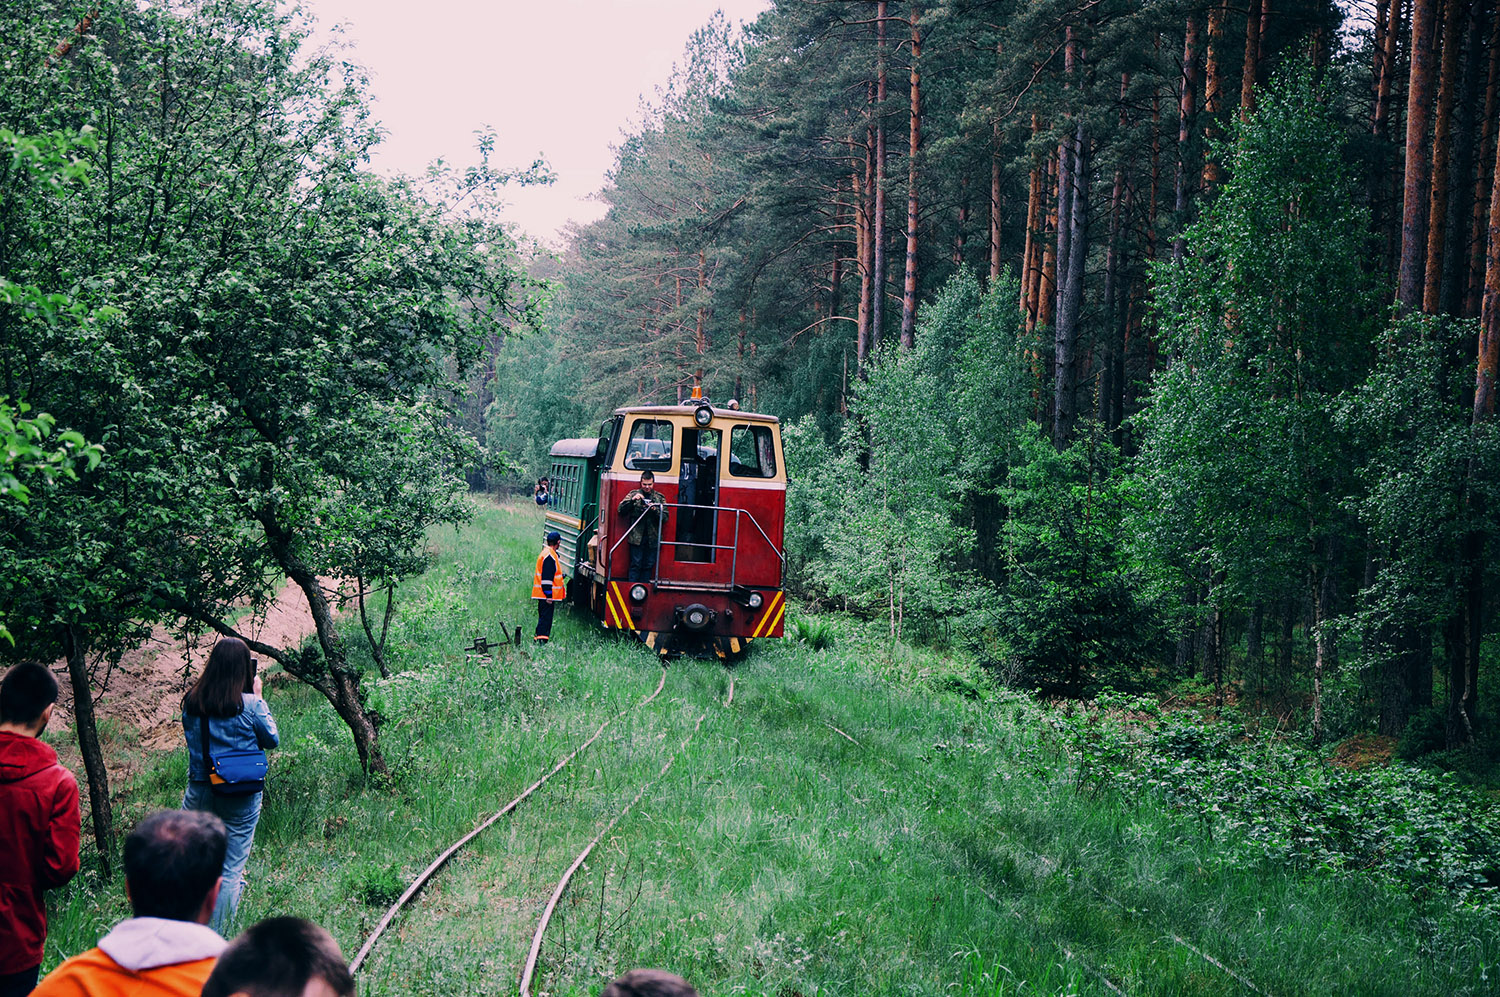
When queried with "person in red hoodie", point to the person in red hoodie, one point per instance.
{"points": [[39, 823]]}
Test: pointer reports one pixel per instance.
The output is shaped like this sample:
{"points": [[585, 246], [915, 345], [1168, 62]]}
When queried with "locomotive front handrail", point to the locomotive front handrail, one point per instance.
{"points": [[734, 562]]}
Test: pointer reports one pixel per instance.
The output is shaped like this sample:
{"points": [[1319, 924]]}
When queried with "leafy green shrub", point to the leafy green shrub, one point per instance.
{"points": [[817, 634], [1269, 801], [1424, 734]]}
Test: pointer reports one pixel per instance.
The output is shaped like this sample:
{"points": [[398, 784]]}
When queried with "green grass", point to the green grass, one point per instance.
{"points": [[861, 820]]}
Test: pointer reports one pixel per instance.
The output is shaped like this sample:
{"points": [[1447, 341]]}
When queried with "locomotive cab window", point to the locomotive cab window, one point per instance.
{"points": [[752, 452], [650, 446]]}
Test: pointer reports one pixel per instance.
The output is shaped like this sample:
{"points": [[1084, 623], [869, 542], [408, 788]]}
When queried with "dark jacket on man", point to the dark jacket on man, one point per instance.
{"points": [[633, 507]]}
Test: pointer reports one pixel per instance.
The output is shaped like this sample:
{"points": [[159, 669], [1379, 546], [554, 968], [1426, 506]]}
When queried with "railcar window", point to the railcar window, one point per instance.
{"points": [[650, 446], [752, 452]]}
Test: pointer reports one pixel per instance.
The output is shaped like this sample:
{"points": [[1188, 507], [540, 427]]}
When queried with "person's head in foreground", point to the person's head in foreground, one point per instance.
{"points": [[27, 694], [281, 957], [648, 983], [172, 864]]}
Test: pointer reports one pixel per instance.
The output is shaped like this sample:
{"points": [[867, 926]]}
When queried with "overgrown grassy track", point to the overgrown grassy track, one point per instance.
{"points": [[847, 826]]}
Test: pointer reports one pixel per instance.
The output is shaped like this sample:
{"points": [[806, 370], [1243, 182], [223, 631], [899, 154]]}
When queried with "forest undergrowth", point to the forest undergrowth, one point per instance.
{"points": [[863, 818]]}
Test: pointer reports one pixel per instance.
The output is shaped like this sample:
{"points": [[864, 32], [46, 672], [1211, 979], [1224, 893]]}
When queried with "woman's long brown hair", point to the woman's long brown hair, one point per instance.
{"points": [[225, 679]]}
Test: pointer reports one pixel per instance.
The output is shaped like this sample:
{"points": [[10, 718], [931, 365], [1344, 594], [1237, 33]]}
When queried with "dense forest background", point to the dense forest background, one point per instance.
{"points": [[1118, 343]]}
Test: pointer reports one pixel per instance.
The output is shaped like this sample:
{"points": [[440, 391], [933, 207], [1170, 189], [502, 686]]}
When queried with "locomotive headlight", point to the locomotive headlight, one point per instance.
{"points": [[703, 415], [755, 600], [638, 592]]}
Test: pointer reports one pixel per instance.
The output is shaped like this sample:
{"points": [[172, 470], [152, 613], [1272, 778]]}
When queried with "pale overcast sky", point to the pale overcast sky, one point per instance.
{"points": [[559, 79]]}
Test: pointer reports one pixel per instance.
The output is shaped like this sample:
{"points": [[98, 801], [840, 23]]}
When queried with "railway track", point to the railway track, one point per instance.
{"points": [[430, 872]]}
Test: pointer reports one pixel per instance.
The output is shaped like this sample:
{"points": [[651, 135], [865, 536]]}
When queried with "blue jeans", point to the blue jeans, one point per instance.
{"points": [[240, 815]]}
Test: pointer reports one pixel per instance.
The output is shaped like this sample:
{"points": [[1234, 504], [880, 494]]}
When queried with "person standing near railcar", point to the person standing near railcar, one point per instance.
{"points": [[226, 704], [643, 507], [547, 586]]}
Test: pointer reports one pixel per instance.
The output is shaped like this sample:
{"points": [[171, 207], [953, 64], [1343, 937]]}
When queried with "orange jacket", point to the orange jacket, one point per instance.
{"points": [[539, 584], [151, 957]]}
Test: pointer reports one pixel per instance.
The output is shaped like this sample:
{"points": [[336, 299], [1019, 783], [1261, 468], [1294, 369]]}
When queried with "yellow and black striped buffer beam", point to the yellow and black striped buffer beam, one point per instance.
{"points": [[618, 611], [771, 616]]}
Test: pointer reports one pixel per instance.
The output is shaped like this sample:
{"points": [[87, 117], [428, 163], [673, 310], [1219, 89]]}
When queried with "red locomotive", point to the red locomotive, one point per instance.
{"points": [[720, 499]]}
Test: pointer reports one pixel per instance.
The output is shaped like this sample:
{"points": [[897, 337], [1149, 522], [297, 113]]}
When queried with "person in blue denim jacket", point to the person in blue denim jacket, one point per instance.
{"points": [[228, 694]]}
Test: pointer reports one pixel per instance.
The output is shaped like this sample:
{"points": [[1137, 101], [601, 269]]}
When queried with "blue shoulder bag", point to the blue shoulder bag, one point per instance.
{"points": [[233, 773]]}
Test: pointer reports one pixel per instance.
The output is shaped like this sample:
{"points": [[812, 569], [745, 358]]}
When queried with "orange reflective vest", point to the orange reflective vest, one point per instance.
{"points": [[559, 588]]}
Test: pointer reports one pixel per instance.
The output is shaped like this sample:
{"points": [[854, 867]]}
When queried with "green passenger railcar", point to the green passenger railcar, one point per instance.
{"points": [[573, 509]]}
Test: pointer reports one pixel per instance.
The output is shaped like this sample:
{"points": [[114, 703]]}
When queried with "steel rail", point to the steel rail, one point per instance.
{"points": [[529, 970], [437, 863]]}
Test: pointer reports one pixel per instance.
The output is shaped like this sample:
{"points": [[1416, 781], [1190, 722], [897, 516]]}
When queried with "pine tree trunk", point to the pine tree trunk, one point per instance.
{"points": [[1031, 262], [1047, 288], [1187, 102], [1419, 679], [865, 248], [1252, 58], [739, 377], [1114, 348], [1070, 297], [1153, 202], [1213, 87], [76, 649], [700, 328], [1487, 155], [1187, 642], [1453, 15], [877, 298], [995, 206], [1387, 32], [1417, 186], [1065, 166], [961, 223], [1454, 289], [909, 284], [1378, 61], [1489, 315]]}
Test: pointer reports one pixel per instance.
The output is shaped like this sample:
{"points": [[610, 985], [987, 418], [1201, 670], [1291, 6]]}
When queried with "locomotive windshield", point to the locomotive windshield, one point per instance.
{"points": [[650, 446]]}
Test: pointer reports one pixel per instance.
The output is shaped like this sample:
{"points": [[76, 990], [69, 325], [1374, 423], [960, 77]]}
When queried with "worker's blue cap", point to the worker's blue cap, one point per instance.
{"points": [[554, 537]]}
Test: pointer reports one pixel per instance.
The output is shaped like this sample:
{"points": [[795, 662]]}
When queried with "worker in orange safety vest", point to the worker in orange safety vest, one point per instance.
{"points": [[547, 586]]}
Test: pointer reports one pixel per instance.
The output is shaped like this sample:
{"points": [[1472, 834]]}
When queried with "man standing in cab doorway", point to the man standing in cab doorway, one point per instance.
{"points": [[643, 507], [547, 586]]}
